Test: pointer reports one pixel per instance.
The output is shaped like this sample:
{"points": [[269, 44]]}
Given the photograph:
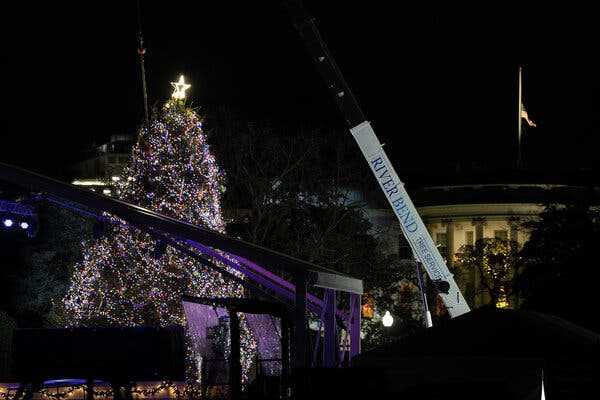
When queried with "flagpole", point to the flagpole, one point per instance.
{"points": [[141, 53], [519, 120]]}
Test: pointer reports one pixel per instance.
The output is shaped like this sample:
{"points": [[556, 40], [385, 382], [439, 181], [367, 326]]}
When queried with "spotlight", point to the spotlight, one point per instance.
{"points": [[8, 223], [24, 225]]}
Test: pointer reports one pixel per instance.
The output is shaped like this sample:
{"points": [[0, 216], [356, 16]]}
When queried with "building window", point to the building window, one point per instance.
{"points": [[368, 306], [501, 234], [441, 241], [469, 238]]}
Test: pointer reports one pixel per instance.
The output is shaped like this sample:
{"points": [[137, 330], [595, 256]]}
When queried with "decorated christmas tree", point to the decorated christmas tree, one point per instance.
{"points": [[126, 277]]}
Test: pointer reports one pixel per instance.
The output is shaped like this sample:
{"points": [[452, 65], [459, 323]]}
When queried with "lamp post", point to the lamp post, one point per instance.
{"points": [[387, 319]]}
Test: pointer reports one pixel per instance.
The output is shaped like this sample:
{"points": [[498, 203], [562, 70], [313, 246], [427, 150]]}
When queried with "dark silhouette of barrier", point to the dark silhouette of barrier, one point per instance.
{"points": [[115, 355]]}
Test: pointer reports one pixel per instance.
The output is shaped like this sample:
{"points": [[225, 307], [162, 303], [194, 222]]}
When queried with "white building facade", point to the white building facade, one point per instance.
{"points": [[459, 215]]}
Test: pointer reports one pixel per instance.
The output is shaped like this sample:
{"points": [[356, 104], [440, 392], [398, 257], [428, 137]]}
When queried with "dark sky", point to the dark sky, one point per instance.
{"points": [[438, 82]]}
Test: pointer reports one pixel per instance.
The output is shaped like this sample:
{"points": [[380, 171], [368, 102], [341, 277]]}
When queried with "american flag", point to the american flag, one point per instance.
{"points": [[525, 116]]}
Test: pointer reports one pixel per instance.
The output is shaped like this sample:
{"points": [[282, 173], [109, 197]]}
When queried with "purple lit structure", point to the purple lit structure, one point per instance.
{"points": [[251, 261]]}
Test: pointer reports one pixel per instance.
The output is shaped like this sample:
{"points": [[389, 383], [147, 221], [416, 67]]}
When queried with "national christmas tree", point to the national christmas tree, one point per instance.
{"points": [[122, 279]]}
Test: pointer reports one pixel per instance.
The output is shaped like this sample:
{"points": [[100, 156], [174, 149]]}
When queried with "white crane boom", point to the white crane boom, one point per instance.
{"points": [[424, 249], [413, 228]]}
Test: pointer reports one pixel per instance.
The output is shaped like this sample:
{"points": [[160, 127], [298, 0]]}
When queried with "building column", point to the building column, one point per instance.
{"points": [[513, 223], [478, 223], [449, 241]]}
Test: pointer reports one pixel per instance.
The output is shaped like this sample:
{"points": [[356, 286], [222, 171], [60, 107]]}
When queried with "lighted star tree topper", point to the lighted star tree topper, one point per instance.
{"points": [[122, 280], [179, 88]]}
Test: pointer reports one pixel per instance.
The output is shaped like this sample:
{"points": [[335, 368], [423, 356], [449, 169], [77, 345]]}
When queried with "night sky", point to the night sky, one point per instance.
{"points": [[437, 82]]}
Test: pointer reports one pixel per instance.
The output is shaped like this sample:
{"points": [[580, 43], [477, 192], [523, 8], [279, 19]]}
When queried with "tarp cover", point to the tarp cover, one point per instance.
{"points": [[491, 352]]}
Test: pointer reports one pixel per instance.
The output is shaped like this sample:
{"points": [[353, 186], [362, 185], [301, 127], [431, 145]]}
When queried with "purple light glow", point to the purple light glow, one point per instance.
{"points": [[201, 319], [266, 330], [8, 223]]}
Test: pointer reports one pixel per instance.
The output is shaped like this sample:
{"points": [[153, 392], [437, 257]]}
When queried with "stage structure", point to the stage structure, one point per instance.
{"points": [[214, 249]]}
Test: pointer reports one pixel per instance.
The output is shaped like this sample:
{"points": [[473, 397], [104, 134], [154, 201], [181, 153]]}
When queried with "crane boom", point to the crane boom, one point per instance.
{"points": [[413, 228]]}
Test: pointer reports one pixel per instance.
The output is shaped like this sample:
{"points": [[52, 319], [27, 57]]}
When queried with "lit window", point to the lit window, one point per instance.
{"points": [[469, 239], [88, 182], [368, 307]]}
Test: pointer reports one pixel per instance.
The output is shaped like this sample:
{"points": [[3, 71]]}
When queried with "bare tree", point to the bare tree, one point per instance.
{"points": [[299, 191]]}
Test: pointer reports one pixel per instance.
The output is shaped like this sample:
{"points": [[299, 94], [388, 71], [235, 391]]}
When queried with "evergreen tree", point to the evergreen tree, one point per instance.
{"points": [[41, 279], [559, 273], [122, 279]]}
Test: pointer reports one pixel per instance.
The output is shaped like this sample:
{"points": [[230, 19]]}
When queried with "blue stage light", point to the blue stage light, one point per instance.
{"points": [[24, 225], [8, 223]]}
